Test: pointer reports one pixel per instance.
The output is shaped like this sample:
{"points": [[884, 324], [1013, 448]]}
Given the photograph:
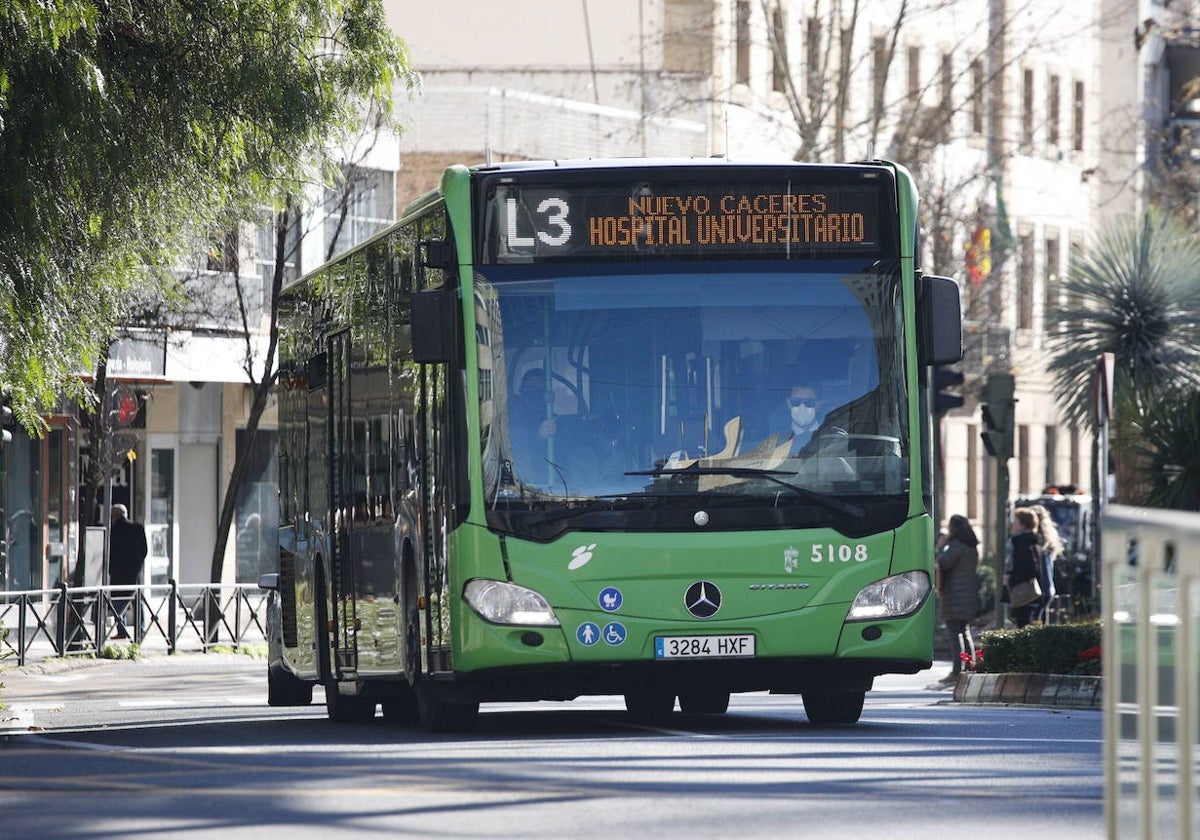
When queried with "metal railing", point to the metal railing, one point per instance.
{"points": [[1151, 597], [81, 621]]}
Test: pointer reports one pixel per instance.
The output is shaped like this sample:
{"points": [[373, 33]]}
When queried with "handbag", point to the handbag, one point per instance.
{"points": [[1025, 592]]}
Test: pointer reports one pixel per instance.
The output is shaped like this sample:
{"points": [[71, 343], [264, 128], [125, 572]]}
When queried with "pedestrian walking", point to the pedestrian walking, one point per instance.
{"points": [[126, 555], [1051, 547], [958, 589], [1023, 564]]}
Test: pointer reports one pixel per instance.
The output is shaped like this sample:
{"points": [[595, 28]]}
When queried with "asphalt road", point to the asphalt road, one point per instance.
{"points": [[186, 747]]}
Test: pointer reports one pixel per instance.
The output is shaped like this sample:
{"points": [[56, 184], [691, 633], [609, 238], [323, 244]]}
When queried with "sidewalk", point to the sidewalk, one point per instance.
{"points": [[22, 688], [16, 717]]}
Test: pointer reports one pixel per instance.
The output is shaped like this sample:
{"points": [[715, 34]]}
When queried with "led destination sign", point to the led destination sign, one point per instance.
{"points": [[680, 220]]}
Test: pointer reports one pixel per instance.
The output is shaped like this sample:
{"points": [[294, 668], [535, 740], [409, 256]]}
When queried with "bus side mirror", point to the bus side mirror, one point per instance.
{"points": [[939, 320], [433, 326]]}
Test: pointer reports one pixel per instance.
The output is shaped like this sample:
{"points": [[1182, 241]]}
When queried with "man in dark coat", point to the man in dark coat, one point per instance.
{"points": [[126, 554]]}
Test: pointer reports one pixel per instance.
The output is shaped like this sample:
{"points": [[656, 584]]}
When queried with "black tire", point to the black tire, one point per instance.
{"points": [[435, 713], [286, 689], [401, 708], [441, 715], [833, 707], [344, 708], [704, 702], [649, 704]]}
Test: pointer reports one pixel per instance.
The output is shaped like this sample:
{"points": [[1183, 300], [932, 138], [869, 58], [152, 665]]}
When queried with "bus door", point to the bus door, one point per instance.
{"points": [[341, 498]]}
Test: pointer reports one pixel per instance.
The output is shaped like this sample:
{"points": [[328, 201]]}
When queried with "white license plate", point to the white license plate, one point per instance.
{"points": [[703, 647]]}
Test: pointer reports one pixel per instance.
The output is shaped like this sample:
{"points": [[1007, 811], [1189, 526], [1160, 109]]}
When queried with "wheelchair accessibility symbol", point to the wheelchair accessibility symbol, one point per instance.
{"points": [[614, 633]]}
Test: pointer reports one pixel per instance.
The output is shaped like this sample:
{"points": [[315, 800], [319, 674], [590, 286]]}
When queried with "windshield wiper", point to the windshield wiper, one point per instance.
{"points": [[770, 475]]}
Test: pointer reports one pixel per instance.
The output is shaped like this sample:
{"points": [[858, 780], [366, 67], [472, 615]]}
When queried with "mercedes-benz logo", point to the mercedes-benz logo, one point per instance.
{"points": [[702, 599]]}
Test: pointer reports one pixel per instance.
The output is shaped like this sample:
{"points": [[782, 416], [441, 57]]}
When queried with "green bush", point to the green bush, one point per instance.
{"points": [[129, 651], [1042, 649]]}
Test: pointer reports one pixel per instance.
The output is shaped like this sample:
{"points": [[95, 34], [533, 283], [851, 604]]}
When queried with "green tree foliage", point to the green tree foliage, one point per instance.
{"points": [[1169, 449], [1133, 293], [127, 125]]}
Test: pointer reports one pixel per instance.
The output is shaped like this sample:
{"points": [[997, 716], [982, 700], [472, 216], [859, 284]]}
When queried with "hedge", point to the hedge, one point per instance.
{"points": [[1042, 649]]}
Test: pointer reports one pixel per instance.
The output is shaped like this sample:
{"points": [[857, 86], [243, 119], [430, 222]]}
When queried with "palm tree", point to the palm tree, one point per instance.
{"points": [[1171, 447], [1135, 293]]}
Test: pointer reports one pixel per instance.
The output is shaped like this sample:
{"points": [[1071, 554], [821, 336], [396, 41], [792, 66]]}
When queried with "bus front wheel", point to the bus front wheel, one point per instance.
{"points": [[649, 704], [704, 702], [825, 707], [435, 712]]}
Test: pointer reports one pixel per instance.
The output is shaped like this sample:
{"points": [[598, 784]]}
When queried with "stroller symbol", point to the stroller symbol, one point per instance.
{"points": [[610, 599]]}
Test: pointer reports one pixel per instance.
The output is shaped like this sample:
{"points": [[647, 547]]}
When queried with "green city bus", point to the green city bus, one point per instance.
{"points": [[531, 443]]}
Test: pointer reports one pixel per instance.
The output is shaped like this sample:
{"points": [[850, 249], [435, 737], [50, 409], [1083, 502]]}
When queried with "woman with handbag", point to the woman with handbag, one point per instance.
{"points": [[1024, 567], [1050, 544], [958, 590]]}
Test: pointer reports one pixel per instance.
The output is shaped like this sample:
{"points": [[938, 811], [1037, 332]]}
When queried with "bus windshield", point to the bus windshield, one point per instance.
{"points": [[768, 394]]}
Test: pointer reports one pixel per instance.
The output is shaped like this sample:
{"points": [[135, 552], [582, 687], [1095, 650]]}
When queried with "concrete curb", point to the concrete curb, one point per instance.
{"points": [[1060, 690]]}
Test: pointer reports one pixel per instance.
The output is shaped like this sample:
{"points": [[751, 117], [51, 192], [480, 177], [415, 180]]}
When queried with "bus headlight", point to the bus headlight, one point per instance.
{"points": [[892, 597], [506, 603]]}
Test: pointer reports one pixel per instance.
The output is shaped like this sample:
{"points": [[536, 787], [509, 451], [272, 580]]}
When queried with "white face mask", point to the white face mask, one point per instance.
{"points": [[802, 415]]}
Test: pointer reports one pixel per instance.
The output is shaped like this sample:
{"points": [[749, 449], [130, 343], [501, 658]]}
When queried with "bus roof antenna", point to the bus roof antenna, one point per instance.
{"points": [[725, 120], [870, 150], [487, 154]]}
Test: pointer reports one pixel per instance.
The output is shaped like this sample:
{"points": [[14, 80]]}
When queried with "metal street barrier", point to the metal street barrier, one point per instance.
{"points": [[1151, 597], [166, 618]]}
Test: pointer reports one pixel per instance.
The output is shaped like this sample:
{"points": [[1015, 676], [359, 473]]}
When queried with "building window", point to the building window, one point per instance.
{"points": [[880, 58], [1023, 476], [257, 517], [1077, 118], [1027, 111], [1074, 255], [264, 248], [978, 98], [779, 52], [222, 253], [972, 472], [1051, 455], [741, 39], [1025, 282], [362, 205], [914, 75], [813, 60], [1050, 294], [947, 84], [1052, 110], [1076, 456]]}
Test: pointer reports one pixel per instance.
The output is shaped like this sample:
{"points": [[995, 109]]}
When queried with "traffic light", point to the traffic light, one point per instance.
{"points": [[999, 415], [944, 379]]}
